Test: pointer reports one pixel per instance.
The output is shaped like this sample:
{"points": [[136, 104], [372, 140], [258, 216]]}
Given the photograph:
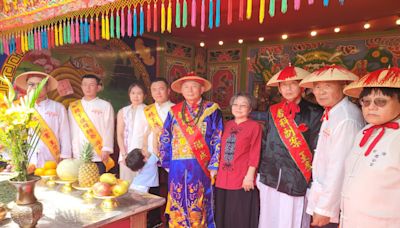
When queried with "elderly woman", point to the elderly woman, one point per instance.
{"points": [[237, 201], [371, 188]]}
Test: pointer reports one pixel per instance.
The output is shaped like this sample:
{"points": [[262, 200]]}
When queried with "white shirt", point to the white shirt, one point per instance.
{"points": [[148, 176], [162, 111], [135, 127], [371, 188], [55, 115], [335, 141], [101, 113]]}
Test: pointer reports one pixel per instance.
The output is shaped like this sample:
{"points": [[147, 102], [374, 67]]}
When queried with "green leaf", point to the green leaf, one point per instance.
{"points": [[11, 91], [33, 95]]}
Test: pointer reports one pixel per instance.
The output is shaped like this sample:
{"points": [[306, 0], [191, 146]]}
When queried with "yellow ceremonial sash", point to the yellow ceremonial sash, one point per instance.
{"points": [[293, 139], [48, 137], [152, 116], [90, 131]]}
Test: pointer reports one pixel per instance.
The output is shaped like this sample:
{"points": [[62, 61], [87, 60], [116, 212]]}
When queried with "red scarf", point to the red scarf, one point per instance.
{"points": [[368, 132], [290, 109], [325, 116]]}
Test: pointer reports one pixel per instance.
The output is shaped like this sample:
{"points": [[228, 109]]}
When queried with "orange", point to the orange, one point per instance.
{"points": [[39, 172], [50, 172], [50, 165]]}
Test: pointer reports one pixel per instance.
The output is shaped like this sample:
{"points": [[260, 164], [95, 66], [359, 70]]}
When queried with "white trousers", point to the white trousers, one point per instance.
{"points": [[280, 210]]}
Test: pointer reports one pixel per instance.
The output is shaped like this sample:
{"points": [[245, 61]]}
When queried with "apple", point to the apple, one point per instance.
{"points": [[101, 189], [119, 189], [108, 178]]}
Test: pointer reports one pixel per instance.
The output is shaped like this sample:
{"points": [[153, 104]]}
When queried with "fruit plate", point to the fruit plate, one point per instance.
{"points": [[77, 187], [108, 197], [108, 203], [104, 197], [49, 180], [48, 177], [66, 188], [58, 181]]}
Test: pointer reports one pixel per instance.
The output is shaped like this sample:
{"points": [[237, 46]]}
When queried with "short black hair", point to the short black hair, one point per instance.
{"points": [[135, 160], [98, 80], [160, 80], [390, 92], [137, 84]]}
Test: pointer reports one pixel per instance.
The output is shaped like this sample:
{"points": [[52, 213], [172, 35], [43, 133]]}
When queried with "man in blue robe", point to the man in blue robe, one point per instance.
{"points": [[189, 149]]}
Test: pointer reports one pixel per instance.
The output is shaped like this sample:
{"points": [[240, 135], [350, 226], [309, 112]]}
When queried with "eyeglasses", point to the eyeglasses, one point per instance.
{"points": [[379, 102], [239, 106]]}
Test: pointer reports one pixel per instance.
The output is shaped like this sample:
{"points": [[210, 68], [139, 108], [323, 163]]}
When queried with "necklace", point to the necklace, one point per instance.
{"points": [[194, 120]]}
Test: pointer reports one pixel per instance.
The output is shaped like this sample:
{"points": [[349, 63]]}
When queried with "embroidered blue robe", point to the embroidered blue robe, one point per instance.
{"points": [[190, 193]]}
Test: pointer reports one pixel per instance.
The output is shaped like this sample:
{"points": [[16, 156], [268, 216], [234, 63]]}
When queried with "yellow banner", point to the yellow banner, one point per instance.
{"points": [[90, 131], [152, 116], [48, 137]]}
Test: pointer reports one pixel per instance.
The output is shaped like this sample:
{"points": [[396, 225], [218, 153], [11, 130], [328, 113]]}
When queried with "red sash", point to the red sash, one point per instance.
{"points": [[194, 137], [293, 140]]}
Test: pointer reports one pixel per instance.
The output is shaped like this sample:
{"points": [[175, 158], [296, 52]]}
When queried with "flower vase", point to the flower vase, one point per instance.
{"points": [[27, 209]]}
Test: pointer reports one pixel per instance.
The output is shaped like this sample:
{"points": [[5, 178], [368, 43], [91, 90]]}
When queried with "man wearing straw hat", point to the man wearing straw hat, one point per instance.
{"points": [[55, 142], [289, 141], [340, 123], [371, 188], [189, 149]]}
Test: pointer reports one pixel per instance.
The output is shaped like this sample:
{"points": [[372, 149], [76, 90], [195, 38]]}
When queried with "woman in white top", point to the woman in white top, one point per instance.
{"points": [[371, 189], [131, 127]]}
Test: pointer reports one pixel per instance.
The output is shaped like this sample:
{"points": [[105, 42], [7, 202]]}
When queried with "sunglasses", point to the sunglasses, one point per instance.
{"points": [[379, 102]]}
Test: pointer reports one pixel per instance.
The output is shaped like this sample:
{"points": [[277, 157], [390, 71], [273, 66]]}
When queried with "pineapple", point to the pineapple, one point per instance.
{"points": [[88, 173]]}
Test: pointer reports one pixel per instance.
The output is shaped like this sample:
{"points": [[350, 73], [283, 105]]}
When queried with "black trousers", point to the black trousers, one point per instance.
{"points": [[154, 216], [237, 208], [101, 166]]}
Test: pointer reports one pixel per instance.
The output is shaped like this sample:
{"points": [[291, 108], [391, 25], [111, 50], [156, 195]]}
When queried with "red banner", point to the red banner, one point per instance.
{"points": [[293, 139], [194, 137]]}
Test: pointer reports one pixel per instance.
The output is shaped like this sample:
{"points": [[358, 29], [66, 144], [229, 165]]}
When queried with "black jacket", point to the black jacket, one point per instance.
{"points": [[277, 168]]}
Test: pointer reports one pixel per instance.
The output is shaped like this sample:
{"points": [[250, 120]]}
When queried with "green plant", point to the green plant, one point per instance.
{"points": [[19, 132]]}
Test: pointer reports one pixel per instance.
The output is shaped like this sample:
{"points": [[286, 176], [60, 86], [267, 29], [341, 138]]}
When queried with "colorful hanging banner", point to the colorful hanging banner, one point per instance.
{"points": [[21, 31]]}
